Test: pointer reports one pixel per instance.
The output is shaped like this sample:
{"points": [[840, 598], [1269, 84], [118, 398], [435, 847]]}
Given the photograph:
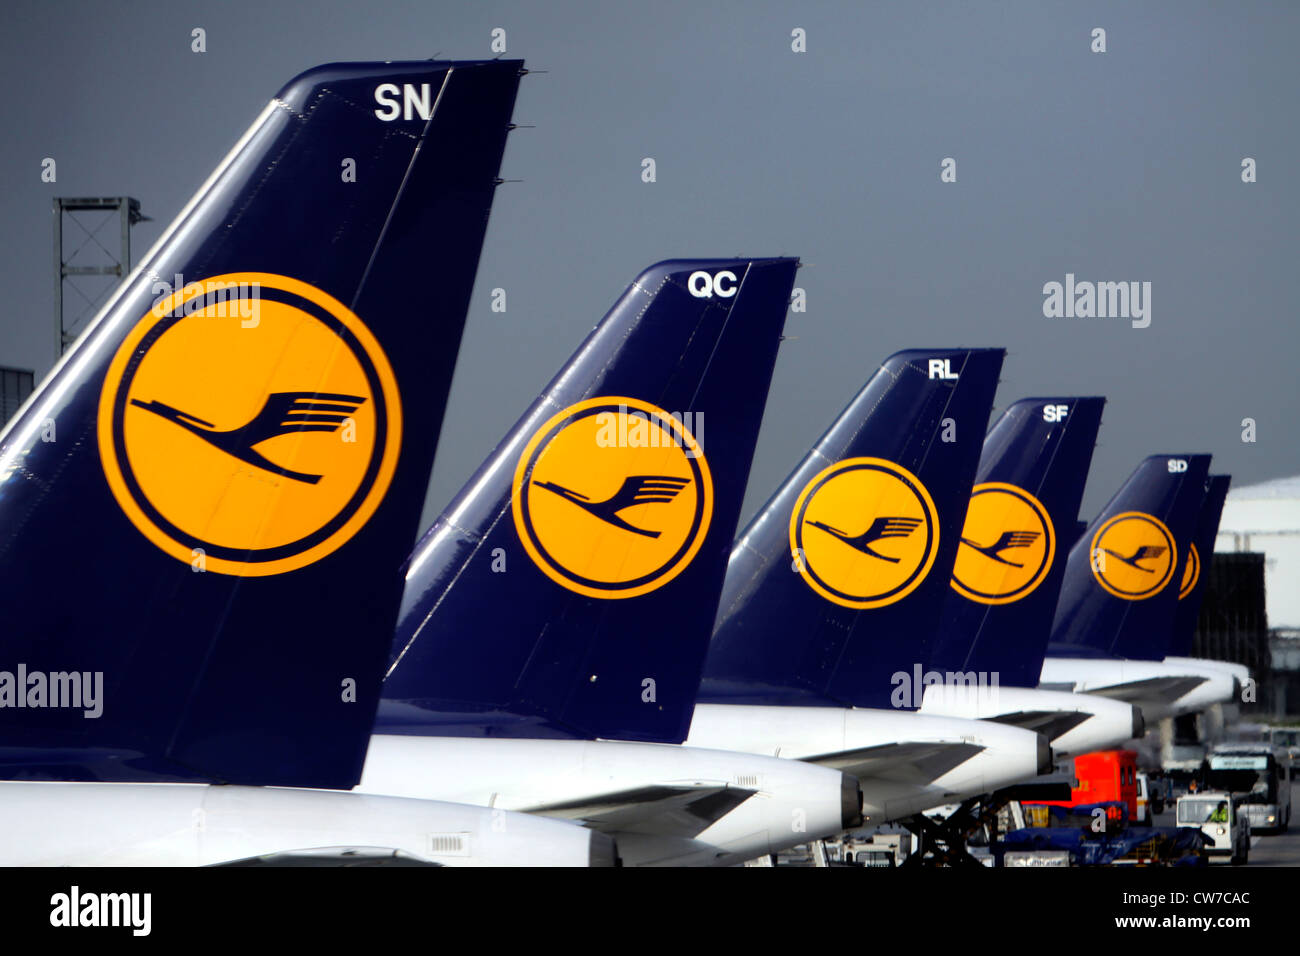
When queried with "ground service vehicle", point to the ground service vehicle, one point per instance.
{"points": [[1108, 775], [1219, 817], [1288, 739], [1143, 815], [1258, 774]]}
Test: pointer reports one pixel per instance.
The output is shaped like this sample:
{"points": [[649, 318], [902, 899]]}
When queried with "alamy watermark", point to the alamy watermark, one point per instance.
{"points": [[1101, 300], [630, 428], [133, 911], [75, 690], [240, 300], [976, 689]]}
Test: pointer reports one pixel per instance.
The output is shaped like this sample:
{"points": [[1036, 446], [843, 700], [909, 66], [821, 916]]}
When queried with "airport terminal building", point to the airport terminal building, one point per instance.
{"points": [[1265, 519]]}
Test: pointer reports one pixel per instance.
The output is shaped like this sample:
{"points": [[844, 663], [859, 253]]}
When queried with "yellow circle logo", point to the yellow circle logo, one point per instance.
{"points": [[1133, 555], [1007, 545], [612, 497], [249, 424], [864, 533], [1191, 571]]}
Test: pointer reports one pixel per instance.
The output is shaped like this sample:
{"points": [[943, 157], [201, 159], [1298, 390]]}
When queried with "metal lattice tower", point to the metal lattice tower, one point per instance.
{"points": [[91, 262]]}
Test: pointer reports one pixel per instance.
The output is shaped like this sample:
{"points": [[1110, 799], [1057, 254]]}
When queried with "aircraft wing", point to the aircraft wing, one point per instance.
{"points": [[1158, 689], [909, 762], [1049, 723], [365, 856], [677, 810]]}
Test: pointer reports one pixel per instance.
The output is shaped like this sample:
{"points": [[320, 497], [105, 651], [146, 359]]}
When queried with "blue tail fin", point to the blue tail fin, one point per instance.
{"points": [[1121, 582], [570, 587], [837, 584], [1009, 566], [208, 502], [1196, 562]]}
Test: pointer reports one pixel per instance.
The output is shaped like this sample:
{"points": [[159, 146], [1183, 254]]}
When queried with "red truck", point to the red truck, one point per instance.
{"points": [[1107, 775]]}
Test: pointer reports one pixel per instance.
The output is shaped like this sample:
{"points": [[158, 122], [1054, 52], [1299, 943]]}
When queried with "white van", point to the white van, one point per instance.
{"points": [[1143, 801]]}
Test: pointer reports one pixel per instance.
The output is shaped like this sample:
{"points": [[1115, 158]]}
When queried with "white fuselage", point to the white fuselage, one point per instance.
{"points": [[1086, 673], [1109, 722], [794, 802], [1009, 755], [187, 824]]}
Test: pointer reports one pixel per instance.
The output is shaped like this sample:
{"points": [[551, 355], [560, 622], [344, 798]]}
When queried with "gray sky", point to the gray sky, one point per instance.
{"points": [[1115, 166]]}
